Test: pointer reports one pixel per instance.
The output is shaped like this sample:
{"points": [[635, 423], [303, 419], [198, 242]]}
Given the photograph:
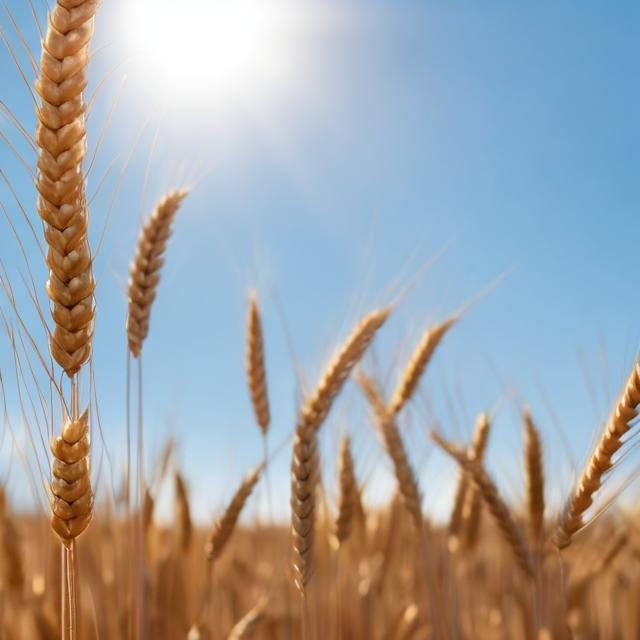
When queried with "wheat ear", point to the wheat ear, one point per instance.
{"points": [[225, 525], [256, 374], [497, 507], [62, 203], [619, 422], [407, 482], [534, 475], [71, 485], [464, 496], [418, 362], [348, 494], [304, 463], [185, 525], [146, 266], [247, 624]]}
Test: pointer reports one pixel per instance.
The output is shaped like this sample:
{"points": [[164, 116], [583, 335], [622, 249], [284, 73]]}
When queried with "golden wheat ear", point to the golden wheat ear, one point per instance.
{"points": [[304, 462], [534, 475], [394, 446], [71, 484], [600, 462], [464, 511], [348, 494], [225, 525], [146, 267], [62, 204], [256, 374], [497, 507]]}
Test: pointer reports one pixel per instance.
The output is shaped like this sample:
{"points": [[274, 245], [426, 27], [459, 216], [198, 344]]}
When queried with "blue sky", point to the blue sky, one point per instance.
{"points": [[506, 133]]}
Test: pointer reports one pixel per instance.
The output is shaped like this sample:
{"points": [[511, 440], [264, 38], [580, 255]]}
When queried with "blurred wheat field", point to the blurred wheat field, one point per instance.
{"points": [[103, 564]]}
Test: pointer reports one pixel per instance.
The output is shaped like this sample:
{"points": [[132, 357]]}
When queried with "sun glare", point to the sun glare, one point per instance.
{"points": [[212, 48]]}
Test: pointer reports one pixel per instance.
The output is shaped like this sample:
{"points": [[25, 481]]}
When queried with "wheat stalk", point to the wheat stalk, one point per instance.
{"points": [[256, 374], [71, 484], [418, 362], [534, 475], [62, 204], [619, 422], [499, 510], [225, 525], [146, 266], [348, 494], [304, 463]]}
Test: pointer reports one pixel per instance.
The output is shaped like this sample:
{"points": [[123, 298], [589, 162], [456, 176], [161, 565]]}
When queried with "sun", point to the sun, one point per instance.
{"points": [[211, 49]]}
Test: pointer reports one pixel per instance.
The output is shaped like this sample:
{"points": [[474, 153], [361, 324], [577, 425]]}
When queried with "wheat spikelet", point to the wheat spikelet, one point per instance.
{"points": [[494, 502], [185, 525], [407, 482], [245, 627], [304, 462], [418, 363], [145, 268], [600, 463], [256, 374], [62, 204], [534, 475], [348, 494], [71, 484], [224, 526]]}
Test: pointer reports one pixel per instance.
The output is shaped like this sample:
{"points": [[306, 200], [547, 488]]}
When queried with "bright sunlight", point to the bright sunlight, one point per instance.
{"points": [[216, 49]]}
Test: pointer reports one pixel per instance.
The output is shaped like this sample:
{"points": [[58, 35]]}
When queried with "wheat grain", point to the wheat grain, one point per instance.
{"points": [[146, 266], [619, 422]]}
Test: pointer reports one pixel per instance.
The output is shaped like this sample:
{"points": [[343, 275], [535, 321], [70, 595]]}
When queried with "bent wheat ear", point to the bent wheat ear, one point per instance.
{"points": [[71, 484], [534, 475], [499, 510], [348, 494], [145, 268], [245, 627], [224, 526], [465, 492], [256, 374], [62, 204], [304, 462], [619, 422], [407, 482], [418, 362]]}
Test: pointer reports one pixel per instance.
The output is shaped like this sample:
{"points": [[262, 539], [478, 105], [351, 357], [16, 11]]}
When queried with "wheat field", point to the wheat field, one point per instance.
{"points": [[100, 563]]}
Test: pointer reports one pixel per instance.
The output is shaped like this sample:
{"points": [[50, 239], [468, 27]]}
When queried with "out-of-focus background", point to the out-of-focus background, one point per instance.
{"points": [[334, 149]]}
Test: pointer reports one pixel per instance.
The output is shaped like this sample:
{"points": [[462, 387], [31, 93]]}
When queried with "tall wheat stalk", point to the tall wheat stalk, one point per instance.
{"points": [[62, 204]]}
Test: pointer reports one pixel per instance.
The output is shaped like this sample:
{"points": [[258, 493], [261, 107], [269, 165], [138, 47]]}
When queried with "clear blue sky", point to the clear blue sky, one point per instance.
{"points": [[507, 132]]}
